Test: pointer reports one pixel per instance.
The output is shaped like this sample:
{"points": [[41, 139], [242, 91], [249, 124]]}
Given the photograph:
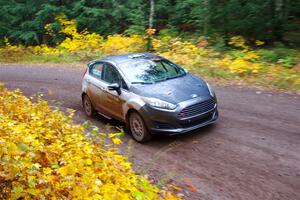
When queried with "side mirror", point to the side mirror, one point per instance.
{"points": [[116, 87]]}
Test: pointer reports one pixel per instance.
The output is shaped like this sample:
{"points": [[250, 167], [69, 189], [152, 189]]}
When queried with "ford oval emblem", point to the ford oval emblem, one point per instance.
{"points": [[194, 95]]}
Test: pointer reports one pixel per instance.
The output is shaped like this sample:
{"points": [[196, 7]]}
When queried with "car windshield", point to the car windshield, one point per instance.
{"points": [[142, 71]]}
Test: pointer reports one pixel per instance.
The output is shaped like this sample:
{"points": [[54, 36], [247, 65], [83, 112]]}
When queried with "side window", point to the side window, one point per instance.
{"points": [[96, 70], [111, 75]]}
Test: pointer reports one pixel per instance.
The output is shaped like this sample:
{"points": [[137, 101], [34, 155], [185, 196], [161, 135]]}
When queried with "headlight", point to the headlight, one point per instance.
{"points": [[157, 103], [211, 92]]}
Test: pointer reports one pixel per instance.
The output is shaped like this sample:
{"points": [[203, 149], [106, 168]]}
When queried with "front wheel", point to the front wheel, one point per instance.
{"points": [[138, 128]]}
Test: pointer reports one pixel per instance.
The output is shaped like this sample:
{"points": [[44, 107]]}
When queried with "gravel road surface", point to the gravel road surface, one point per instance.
{"points": [[252, 152]]}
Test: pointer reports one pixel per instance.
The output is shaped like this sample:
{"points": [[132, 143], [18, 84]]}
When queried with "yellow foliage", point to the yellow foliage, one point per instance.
{"points": [[181, 52], [117, 141], [44, 49], [117, 44], [150, 31], [114, 44], [245, 63], [239, 41], [259, 43], [77, 41], [45, 155], [251, 55], [240, 65]]}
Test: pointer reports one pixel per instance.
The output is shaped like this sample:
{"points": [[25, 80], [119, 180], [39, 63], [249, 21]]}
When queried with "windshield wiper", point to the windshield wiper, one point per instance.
{"points": [[141, 82]]}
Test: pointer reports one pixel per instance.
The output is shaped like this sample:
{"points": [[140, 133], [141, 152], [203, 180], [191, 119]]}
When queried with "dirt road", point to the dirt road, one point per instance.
{"points": [[253, 152]]}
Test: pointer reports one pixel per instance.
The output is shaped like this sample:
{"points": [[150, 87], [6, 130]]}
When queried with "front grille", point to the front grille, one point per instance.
{"points": [[197, 109]]}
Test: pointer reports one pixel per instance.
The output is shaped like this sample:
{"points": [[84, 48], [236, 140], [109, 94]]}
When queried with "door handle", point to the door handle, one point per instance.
{"points": [[88, 80]]}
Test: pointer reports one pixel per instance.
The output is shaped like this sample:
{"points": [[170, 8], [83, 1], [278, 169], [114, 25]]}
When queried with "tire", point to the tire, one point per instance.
{"points": [[87, 106], [138, 128]]}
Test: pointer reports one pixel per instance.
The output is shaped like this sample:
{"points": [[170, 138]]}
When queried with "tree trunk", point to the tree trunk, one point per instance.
{"points": [[151, 15], [149, 46]]}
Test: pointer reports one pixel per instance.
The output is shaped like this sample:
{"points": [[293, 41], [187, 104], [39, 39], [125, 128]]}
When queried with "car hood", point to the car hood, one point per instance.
{"points": [[174, 90]]}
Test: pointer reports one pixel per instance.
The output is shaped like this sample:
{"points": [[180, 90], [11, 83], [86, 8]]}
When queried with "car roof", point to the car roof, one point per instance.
{"points": [[127, 57]]}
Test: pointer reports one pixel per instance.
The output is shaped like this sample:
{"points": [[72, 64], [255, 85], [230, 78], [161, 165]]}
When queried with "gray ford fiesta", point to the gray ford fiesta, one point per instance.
{"points": [[151, 94]]}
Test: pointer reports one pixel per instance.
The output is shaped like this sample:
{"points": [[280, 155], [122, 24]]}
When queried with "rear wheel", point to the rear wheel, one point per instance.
{"points": [[87, 106], [138, 128]]}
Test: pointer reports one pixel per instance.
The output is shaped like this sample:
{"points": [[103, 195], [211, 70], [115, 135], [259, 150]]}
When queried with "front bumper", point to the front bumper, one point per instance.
{"points": [[169, 123]]}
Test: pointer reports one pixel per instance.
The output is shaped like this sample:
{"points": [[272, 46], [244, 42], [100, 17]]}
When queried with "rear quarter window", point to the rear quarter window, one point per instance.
{"points": [[96, 70]]}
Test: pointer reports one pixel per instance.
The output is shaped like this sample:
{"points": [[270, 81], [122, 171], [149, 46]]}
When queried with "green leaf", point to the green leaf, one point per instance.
{"points": [[55, 166], [138, 195], [22, 146], [31, 183], [17, 192]]}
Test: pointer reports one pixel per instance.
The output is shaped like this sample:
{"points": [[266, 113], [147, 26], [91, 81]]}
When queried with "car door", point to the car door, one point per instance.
{"points": [[96, 88], [114, 102]]}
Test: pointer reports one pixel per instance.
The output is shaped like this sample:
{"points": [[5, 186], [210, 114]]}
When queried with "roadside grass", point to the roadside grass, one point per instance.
{"points": [[52, 58], [26, 56], [288, 80]]}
